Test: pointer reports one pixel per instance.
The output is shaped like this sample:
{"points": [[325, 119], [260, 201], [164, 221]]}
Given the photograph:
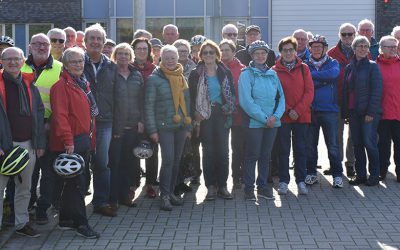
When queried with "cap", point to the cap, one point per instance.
{"points": [[155, 42], [110, 42], [253, 27]]}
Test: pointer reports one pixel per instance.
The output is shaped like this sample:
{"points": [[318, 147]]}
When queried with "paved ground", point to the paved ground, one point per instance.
{"points": [[327, 218]]}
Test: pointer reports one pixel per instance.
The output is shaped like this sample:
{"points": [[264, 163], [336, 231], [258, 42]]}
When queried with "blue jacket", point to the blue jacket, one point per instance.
{"points": [[374, 49], [366, 82], [325, 85], [257, 96]]}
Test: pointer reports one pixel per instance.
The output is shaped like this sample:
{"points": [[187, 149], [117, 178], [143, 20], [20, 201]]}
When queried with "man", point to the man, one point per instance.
{"points": [[109, 47], [57, 42], [23, 108], [253, 33], [170, 34], [71, 37], [5, 42], [396, 34], [366, 28], [302, 41], [142, 33], [80, 36], [156, 46], [231, 32], [343, 53]]}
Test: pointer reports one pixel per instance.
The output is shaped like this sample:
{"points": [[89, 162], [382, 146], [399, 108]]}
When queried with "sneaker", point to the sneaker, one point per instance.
{"points": [[372, 181], [41, 217], [87, 232], [165, 204], [211, 193], [150, 192], [28, 231], [311, 179], [265, 193], [66, 225], [350, 171], [328, 172], [249, 196], [302, 188], [283, 188], [224, 193], [338, 182], [357, 181], [175, 200], [105, 211]]}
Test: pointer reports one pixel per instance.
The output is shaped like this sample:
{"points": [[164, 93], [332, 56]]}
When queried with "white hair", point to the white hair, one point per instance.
{"points": [[169, 48], [346, 25], [170, 26], [229, 26], [395, 30], [299, 31], [96, 27], [56, 31], [366, 21]]}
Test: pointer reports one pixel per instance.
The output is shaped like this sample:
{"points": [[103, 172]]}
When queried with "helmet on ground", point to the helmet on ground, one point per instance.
{"points": [[258, 45], [197, 40], [318, 39], [7, 40], [68, 165], [14, 161], [144, 150]]}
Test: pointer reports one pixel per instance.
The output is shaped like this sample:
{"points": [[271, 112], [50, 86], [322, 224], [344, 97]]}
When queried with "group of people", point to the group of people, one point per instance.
{"points": [[80, 99]]}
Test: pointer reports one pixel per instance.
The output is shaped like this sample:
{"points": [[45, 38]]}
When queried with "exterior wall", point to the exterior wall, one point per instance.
{"points": [[387, 17]]}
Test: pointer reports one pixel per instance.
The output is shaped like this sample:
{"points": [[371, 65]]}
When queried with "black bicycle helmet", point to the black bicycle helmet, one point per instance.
{"points": [[14, 161], [144, 150]]}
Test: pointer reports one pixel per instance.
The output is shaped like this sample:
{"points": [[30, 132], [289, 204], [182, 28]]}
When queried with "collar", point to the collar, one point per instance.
{"points": [[30, 63]]}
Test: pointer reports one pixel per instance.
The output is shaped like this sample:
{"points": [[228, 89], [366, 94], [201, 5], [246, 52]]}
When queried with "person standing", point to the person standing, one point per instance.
{"points": [[367, 28], [170, 34]]}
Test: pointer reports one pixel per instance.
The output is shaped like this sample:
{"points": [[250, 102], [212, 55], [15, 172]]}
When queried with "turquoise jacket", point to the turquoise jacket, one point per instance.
{"points": [[261, 96]]}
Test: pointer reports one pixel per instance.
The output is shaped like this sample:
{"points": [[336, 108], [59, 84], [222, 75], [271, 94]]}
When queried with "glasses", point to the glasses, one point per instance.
{"points": [[76, 62], [365, 30], [38, 45], [54, 40], [208, 52], [301, 39], [123, 54], [291, 50], [141, 49], [347, 34], [12, 59], [363, 46], [390, 47], [232, 34]]}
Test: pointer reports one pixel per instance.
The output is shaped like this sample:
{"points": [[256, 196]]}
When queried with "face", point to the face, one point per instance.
{"points": [[170, 35], [71, 39], [366, 30], [259, 56], [208, 55], [141, 51], [226, 53], [302, 40], [317, 50], [12, 62], [123, 57], [108, 49], [288, 53], [94, 42], [183, 52], [347, 35], [389, 48], [156, 51], [40, 49], [230, 34], [170, 60], [362, 50], [79, 40], [195, 52], [57, 43], [75, 64], [252, 36]]}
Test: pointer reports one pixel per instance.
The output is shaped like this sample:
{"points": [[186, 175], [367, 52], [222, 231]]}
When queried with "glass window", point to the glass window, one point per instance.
{"points": [[188, 27], [39, 28], [155, 25], [9, 30], [124, 30]]}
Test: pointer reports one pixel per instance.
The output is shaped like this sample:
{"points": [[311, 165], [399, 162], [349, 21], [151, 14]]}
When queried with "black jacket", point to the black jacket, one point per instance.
{"points": [[5, 131], [245, 58]]}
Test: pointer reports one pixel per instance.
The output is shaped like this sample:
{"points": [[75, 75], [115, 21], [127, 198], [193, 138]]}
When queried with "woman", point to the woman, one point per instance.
{"points": [[228, 49], [74, 109], [188, 64], [389, 125], [126, 129], [144, 63], [167, 120], [362, 92], [261, 98], [212, 96], [298, 87]]}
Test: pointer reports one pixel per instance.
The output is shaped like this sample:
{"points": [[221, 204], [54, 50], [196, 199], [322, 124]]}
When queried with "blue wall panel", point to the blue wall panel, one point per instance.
{"points": [[259, 7], [189, 7], [235, 8], [263, 23], [159, 8], [20, 37], [95, 9], [124, 8]]}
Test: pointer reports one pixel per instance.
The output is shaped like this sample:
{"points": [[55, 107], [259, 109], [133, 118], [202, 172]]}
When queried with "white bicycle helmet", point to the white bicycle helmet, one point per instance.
{"points": [[69, 165], [7, 40], [197, 40], [144, 150]]}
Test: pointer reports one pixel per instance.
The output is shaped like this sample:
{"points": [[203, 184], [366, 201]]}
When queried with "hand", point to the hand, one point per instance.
{"points": [[154, 137], [198, 117], [140, 127], [271, 122], [69, 149], [293, 115], [39, 153], [368, 118], [1, 152]]}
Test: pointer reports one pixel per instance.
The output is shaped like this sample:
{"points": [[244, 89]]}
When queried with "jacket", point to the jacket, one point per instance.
{"points": [[188, 67], [245, 58], [325, 85], [365, 78], [6, 141], [159, 106], [37, 110], [306, 56], [390, 69], [298, 89], [71, 113], [258, 92], [146, 70], [374, 49]]}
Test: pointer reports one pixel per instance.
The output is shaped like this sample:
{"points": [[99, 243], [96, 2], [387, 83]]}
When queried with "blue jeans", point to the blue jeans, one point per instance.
{"points": [[215, 141], [389, 130], [328, 121], [101, 172], [299, 131], [365, 137], [259, 142]]}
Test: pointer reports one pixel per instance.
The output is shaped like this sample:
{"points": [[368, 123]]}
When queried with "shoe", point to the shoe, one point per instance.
{"points": [[114, 207], [66, 225], [224, 194], [357, 181], [41, 217], [318, 166], [338, 182], [265, 193], [166, 204], [175, 200], [88, 193], [283, 188], [311, 179], [249, 196], [302, 188], [105, 211], [350, 171], [183, 188], [328, 172], [211, 193], [87, 232], [131, 193], [372, 181], [127, 202], [150, 192], [28, 231]]}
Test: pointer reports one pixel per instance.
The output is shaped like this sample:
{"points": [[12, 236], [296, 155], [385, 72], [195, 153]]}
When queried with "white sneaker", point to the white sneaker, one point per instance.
{"points": [[337, 182], [283, 188], [311, 179], [302, 188]]}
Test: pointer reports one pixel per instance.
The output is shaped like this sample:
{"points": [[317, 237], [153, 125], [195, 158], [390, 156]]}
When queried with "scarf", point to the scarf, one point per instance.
{"points": [[301, 54], [347, 50], [318, 63], [24, 106], [178, 84], [263, 67], [289, 65], [83, 84]]}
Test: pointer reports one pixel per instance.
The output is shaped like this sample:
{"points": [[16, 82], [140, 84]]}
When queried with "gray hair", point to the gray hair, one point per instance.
{"points": [[56, 31], [183, 42], [20, 51], [387, 38], [299, 31], [41, 35], [358, 40], [140, 32], [69, 28], [395, 30], [170, 26], [71, 51], [366, 21], [168, 48], [346, 25], [96, 27], [229, 26]]}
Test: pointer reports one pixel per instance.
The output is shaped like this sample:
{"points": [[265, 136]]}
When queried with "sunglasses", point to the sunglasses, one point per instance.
{"points": [[210, 52], [347, 34], [231, 34], [54, 40]]}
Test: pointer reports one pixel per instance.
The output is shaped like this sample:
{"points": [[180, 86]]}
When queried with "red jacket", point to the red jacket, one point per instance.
{"points": [[298, 90], [27, 78], [71, 113], [236, 67], [390, 69]]}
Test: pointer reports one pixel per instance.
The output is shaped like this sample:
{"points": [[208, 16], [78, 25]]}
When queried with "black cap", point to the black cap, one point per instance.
{"points": [[155, 42], [253, 27]]}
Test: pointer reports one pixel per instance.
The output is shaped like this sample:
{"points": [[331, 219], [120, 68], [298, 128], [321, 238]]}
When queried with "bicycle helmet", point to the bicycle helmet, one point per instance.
{"points": [[14, 161], [318, 39], [144, 150], [69, 165], [197, 40], [7, 40], [258, 45]]}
